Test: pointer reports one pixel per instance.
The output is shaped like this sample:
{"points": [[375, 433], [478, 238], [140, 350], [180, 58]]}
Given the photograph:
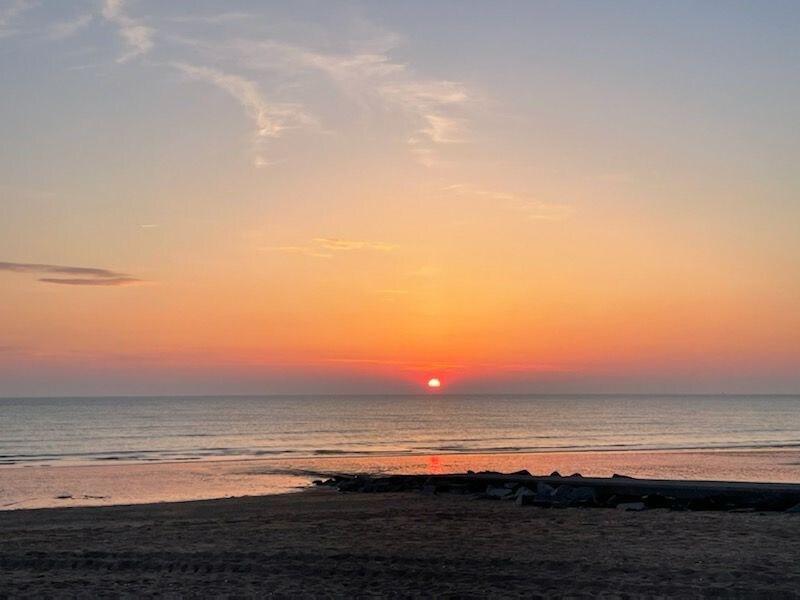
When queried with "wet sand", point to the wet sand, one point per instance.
{"points": [[320, 543], [114, 483]]}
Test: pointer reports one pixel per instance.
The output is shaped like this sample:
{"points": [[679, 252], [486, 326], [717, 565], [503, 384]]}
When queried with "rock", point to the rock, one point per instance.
{"points": [[350, 485], [570, 495], [523, 472], [631, 506], [523, 491], [710, 503], [575, 475], [618, 476], [658, 501], [555, 474], [544, 492], [497, 492], [525, 499]]}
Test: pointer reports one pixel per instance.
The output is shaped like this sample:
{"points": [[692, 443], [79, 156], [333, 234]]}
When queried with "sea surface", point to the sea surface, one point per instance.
{"points": [[279, 441]]}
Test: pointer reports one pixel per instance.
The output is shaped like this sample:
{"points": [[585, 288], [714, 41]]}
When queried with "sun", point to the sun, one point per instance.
{"points": [[434, 383]]}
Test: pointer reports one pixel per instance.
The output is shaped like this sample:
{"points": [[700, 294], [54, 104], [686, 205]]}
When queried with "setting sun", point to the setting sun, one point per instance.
{"points": [[434, 383]]}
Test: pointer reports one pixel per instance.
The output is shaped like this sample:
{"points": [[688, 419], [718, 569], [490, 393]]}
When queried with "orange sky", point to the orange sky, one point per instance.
{"points": [[345, 202]]}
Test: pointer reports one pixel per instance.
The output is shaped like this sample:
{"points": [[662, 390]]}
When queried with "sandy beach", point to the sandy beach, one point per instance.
{"points": [[321, 543]]}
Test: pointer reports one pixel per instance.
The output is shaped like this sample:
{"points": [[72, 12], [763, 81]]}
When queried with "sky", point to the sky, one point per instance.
{"points": [[354, 197]]}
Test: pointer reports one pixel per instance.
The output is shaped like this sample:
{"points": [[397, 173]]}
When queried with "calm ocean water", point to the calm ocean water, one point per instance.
{"points": [[95, 430]]}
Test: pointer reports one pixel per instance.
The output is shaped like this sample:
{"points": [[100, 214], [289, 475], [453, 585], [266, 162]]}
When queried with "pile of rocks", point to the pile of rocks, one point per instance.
{"points": [[556, 491]]}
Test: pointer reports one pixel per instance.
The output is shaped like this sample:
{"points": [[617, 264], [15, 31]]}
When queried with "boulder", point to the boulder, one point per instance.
{"points": [[555, 474], [525, 499], [571, 495], [497, 492], [658, 501], [544, 492], [631, 506]]}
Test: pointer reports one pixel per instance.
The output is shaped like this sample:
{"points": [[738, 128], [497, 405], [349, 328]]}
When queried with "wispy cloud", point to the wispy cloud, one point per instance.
{"points": [[212, 19], [532, 208], [88, 276], [340, 244], [371, 76], [427, 113], [303, 250], [270, 119], [326, 247], [9, 12], [67, 29], [138, 37]]}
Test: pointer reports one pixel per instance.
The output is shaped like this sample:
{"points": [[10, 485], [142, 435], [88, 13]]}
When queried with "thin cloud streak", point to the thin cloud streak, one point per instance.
{"points": [[326, 247], [138, 37], [108, 282], [370, 76], [88, 276], [535, 210], [339, 244], [270, 119]]}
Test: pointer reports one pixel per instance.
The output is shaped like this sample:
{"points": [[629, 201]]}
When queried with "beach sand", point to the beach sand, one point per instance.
{"points": [[322, 543]]}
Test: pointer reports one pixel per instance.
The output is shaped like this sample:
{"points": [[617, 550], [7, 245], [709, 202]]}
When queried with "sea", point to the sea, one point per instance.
{"points": [[112, 450]]}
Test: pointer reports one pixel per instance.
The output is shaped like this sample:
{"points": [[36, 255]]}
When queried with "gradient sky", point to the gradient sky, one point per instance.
{"points": [[256, 197]]}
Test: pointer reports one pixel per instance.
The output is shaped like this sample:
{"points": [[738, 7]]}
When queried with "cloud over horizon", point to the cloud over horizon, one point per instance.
{"points": [[80, 276]]}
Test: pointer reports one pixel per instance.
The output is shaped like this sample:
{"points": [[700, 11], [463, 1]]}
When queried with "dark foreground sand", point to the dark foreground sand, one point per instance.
{"points": [[324, 544]]}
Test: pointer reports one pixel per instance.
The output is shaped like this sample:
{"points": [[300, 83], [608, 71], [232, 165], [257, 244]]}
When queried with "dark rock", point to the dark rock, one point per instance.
{"points": [[350, 485], [631, 506], [575, 475], [709, 503], [658, 501], [618, 476], [525, 499], [458, 488], [555, 474], [570, 495], [497, 492], [616, 499], [523, 472], [544, 492], [524, 491]]}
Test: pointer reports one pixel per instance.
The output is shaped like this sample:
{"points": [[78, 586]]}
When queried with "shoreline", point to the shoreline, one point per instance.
{"points": [[323, 543], [10, 462], [114, 483]]}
